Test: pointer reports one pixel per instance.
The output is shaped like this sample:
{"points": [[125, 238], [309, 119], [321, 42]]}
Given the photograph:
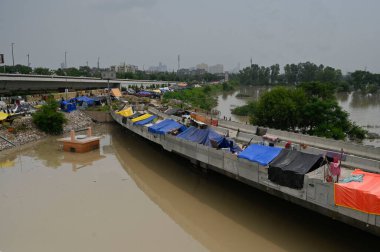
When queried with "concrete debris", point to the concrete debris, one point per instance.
{"points": [[77, 120]]}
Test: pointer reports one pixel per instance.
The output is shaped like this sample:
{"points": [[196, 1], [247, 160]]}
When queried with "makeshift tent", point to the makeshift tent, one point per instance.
{"points": [[166, 126], [260, 154], [207, 137], [68, 106], [85, 99], [3, 116], [145, 121], [135, 115], [362, 196], [144, 93], [290, 166], [126, 112], [116, 92], [140, 118]]}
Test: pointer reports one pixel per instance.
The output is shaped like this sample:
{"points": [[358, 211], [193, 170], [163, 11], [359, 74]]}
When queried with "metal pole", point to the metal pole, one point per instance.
{"points": [[13, 58], [28, 60], [65, 60]]}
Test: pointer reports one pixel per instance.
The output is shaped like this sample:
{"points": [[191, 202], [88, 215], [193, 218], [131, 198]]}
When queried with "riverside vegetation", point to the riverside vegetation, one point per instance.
{"points": [[202, 97], [310, 108]]}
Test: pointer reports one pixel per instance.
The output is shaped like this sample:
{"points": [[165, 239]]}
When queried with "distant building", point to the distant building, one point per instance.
{"points": [[160, 68], [124, 68], [202, 66], [216, 69], [226, 77]]}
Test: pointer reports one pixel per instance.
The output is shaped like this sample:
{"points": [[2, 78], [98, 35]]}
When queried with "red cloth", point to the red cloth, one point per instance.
{"points": [[362, 196], [335, 169]]}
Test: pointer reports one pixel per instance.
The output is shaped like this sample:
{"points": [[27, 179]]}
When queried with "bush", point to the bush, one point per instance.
{"points": [[48, 119]]}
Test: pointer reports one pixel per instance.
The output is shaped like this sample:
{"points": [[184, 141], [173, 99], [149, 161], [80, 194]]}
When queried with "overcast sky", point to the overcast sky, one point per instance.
{"points": [[340, 33]]}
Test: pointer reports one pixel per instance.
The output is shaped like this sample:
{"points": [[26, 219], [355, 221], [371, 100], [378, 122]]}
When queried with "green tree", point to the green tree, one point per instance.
{"points": [[42, 71], [48, 119], [311, 108]]}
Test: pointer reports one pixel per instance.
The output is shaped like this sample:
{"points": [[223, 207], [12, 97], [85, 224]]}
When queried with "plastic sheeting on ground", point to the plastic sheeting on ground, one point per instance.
{"points": [[145, 121], [3, 116], [166, 126], [126, 112], [290, 166], [209, 138], [260, 154], [362, 196], [140, 118]]}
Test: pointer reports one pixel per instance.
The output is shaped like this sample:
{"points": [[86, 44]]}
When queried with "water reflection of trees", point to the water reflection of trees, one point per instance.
{"points": [[343, 96], [360, 100]]}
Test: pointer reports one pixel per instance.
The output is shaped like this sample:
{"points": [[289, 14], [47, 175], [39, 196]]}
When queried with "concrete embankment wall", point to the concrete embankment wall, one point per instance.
{"points": [[315, 195], [99, 116]]}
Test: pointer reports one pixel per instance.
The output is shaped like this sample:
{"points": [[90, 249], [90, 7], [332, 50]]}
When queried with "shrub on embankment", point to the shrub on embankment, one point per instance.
{"points": [[48, 119]]}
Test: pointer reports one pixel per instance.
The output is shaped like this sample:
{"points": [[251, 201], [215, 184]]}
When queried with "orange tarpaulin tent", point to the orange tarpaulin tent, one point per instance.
{"points": [[362, 196], [116, 92]]}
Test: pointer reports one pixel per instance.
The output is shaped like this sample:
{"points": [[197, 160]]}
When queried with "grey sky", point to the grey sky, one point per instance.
{"points": [[340, 33]]}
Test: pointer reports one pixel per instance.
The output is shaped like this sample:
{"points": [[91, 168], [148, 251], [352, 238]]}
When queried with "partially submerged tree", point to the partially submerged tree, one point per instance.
{"points": [[310, 108]]}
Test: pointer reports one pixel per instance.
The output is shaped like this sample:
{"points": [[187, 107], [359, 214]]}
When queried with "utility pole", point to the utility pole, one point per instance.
{"points": [[98, 63], [65, 60], [251, 62], [28, 60], [87, 63], [179, 61], [13, 58]]}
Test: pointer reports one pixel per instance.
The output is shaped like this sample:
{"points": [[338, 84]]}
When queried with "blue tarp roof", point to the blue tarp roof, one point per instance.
{"points": [[204, 136], [86, 99], [260, 154], [166, 126], [68, 106], [145, 121]]}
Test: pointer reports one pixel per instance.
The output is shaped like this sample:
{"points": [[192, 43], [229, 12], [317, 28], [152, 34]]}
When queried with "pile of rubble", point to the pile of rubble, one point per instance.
{"points": [[22, 130], [76, 120]]}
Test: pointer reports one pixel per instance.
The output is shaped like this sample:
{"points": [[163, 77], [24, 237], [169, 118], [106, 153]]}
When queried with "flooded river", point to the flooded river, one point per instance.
{"points": [[132, 196], [364, 109]]}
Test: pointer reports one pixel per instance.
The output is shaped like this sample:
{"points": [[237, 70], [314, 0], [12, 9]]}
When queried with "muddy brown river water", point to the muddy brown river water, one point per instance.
{"points": [[130, 195]]}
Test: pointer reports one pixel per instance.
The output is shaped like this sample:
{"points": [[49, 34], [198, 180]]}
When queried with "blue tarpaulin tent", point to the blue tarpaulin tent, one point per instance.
{"points": [[145, 121], [86, 99], [68, 106], [206, 137], [260, 154], [165, 126]]}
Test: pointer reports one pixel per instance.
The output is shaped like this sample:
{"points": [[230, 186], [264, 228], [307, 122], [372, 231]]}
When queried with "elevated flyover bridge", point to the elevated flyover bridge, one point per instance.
{"points": [[21, 83]]}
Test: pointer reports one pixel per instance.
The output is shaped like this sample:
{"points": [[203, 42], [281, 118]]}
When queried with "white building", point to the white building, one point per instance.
{"points": [[216, 69]]}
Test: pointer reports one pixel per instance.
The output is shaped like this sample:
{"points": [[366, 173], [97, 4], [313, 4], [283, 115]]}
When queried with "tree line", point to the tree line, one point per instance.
{"points": [[294, 74], [85, 71]]}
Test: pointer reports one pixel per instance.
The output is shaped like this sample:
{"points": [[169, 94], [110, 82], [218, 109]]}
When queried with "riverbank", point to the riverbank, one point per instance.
{"points": [[24, 131]]}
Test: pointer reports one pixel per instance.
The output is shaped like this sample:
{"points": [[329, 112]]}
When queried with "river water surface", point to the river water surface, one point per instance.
{"points": [[132, 196]]}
